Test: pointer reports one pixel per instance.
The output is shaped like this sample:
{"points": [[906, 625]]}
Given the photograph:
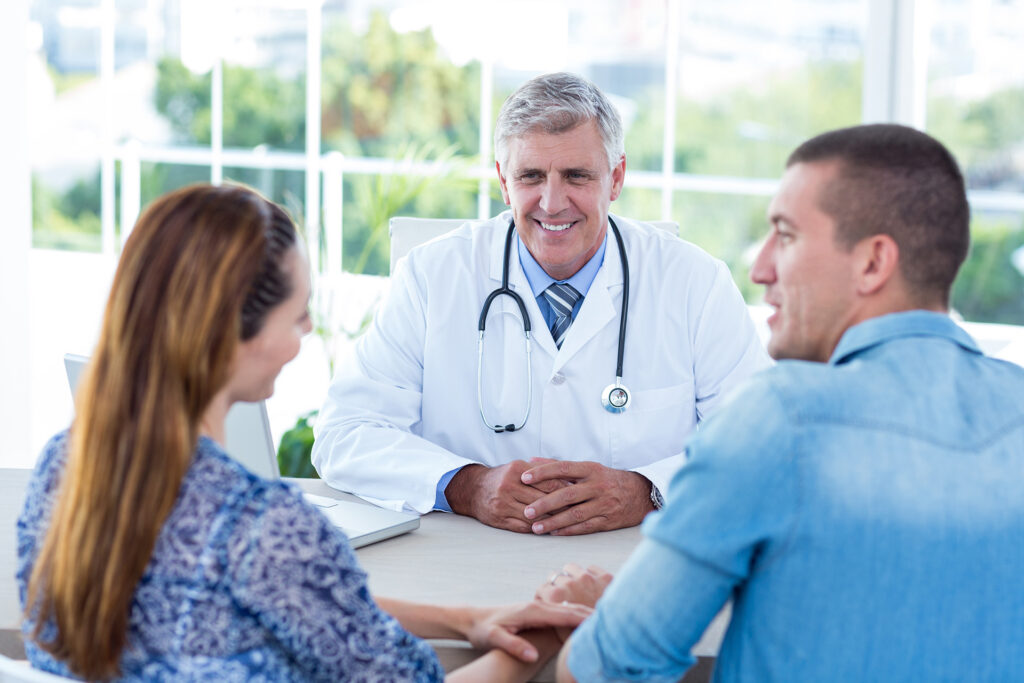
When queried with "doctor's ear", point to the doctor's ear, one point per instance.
{"points": [[501, 184]]}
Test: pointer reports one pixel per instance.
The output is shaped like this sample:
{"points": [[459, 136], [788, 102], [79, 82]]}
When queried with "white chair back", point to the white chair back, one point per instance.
{"points": [[407, 232], [18, 671]]}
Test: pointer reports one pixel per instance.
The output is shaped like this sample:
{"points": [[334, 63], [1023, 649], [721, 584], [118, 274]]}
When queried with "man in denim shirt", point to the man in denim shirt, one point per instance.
{"points": [[861, 503]]}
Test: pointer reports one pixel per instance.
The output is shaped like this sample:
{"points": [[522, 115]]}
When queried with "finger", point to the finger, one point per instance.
{"points": [[540, 613], [520, 648], [513, 524], [559, 469], [597, 523], [560, 613], [588, 515], [537, 460], [551, 593], [551, 503], [526, 495], [551, 485]]}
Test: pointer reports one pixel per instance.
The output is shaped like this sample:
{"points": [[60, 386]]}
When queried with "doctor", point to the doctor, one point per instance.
{"points": [[516, 431]]}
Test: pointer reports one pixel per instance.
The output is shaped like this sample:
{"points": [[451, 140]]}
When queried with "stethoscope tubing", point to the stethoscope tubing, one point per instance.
{"points": [[507, 291]]}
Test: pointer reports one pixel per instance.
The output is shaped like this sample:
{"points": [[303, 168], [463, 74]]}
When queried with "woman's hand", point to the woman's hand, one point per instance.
{"points": [[575, 584], [497, 627]]}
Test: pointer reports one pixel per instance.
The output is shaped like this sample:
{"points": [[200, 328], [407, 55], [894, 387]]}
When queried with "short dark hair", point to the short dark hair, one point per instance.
{"points": [[900, 182]]}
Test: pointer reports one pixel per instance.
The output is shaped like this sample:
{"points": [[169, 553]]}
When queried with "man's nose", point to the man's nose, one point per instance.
{"points": [[553, 197], [762, 272]]}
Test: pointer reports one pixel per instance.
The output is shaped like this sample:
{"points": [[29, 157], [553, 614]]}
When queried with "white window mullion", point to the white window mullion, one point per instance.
{"points": [[16, 198], [314, 20], [107, 193], [896, 62], [668, 152], [483, 197], [217, 121]]}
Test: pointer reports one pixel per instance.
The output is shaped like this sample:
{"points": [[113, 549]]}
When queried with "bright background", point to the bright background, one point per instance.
{"points": [[350, 111]]}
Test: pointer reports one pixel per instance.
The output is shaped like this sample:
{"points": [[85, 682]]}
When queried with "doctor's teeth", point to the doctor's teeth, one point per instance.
{"points": [[554, 228]]}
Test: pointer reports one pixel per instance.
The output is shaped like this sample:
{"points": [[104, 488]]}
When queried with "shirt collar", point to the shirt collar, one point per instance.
{"points": [[884, 328], [540, 280]]}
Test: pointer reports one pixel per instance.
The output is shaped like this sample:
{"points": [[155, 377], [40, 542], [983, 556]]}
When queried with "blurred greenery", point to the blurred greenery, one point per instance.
{"points": [[396, 95], [68, 220], [296, 445], [989, 287]]}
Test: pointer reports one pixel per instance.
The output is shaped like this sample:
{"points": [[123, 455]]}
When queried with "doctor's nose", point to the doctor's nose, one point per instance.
{"points": [[553, 197]]}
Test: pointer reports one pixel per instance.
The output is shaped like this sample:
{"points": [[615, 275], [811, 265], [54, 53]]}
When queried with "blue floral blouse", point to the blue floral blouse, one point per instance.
{"points": [[247, 582]]}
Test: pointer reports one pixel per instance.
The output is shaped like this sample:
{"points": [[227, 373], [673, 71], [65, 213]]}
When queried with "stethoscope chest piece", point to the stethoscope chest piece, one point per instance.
{"points": [[615, 398]]}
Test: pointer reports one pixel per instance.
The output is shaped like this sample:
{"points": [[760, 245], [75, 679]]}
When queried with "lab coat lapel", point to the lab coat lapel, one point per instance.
{"points": [[598, 308]]}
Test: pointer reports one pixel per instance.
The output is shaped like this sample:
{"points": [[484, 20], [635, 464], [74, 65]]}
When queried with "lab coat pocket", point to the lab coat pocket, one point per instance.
{"points": [[654, 426]]}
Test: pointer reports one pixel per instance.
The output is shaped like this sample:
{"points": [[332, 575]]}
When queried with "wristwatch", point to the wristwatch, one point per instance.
{"points": [[657, 500]]}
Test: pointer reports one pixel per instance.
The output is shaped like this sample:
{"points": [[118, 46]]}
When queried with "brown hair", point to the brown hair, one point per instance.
{"points": [[200, 272], [900, 182]]}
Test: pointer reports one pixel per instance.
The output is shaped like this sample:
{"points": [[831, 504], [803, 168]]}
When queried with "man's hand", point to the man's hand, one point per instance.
{"points": [[575, 584], [497, 496], [601, 498]]}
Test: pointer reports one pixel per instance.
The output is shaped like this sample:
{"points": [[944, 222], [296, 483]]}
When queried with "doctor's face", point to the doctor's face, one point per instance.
{"points": [[809, 278], [560, 188]]}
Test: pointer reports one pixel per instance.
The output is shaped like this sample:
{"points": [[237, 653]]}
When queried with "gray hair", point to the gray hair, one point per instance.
{"points": [[553, 104]]}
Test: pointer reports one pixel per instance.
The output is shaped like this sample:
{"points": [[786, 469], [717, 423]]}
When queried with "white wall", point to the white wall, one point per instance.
{"points": [[15, 236]]}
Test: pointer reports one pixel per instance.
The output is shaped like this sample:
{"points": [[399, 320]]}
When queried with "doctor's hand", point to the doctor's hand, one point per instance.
{"points": [[497, 496], [601, 498]]}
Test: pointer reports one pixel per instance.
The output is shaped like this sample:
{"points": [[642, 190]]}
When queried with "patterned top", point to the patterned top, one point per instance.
{"points": [[247, 582]]}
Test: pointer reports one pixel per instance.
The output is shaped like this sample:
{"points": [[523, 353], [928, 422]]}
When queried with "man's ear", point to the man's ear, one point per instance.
{"points": [[878, 262], [618, 178], [501, 182]]}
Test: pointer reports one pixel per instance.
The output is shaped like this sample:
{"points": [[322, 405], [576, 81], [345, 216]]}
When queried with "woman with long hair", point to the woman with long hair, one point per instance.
{"points": [[146, 552]]}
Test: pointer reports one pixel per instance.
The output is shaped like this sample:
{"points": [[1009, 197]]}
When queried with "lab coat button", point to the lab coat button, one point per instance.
{"points": [[559, 378]]}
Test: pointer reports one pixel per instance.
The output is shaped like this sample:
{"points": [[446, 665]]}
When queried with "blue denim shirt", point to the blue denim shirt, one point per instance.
{"points": [[865, 517]]}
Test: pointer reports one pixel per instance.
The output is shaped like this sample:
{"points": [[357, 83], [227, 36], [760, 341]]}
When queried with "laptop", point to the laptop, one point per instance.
{"points": [[247, 432]]}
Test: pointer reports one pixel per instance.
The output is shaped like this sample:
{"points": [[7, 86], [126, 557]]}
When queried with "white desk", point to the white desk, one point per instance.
{"points": [[448, 560], [456, 560]]}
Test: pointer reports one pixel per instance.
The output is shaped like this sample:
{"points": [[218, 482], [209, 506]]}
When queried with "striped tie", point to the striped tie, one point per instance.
{"points": [[562, 298]]}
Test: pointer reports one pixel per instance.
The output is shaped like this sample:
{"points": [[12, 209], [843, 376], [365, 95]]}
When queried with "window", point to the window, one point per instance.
{"points": [[350, 112]]}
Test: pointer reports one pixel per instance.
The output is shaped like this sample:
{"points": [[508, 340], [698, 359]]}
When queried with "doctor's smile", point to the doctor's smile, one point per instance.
{"points": [[555, 227]]}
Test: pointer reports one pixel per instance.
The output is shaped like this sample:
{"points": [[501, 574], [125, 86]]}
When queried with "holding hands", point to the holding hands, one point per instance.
{"points": [[576, 585]]}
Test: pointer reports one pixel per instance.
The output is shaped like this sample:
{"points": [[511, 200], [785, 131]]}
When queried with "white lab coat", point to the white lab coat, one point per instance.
{"points": [[404, 411]]}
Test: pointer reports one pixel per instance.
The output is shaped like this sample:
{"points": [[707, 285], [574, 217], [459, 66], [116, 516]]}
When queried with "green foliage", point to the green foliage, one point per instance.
{"points": [[989, 287], [385, 90], [260, 107], [750, 130], [296, 445], [67, 221]]}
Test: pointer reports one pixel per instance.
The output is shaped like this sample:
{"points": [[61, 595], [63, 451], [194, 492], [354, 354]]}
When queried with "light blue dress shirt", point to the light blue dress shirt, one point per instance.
{"points": [[539, 281], [865, 517]]}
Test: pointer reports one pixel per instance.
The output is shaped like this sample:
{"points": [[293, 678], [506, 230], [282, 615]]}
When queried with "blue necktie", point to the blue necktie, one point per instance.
{"points": [[562, 298]]}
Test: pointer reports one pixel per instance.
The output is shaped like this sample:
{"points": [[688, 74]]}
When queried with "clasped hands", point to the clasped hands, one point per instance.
{"points": [[545, 496]]}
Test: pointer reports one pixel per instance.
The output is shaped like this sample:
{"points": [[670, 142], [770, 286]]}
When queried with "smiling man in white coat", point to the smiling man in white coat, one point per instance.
{"points": [[522, 431]]}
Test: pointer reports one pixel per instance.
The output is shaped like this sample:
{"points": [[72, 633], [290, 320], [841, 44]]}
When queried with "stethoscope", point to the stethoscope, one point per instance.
{"points": [[615, 398]]}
